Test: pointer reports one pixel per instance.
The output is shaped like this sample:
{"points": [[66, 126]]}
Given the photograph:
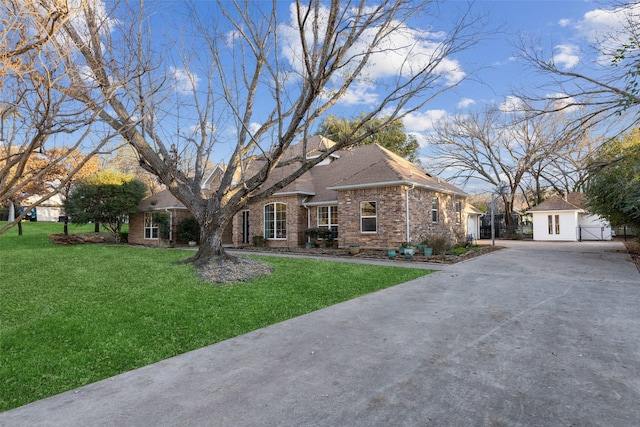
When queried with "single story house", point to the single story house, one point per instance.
{"points": [[567, 219], [366, 195]]}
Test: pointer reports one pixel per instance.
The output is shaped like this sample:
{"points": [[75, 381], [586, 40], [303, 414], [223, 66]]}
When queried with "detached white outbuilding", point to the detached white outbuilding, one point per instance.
{"points": [[566, 219]]}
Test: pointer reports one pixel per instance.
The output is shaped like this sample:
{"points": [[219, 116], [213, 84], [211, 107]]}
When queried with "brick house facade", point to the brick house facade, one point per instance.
{"points": [[366, 195]]}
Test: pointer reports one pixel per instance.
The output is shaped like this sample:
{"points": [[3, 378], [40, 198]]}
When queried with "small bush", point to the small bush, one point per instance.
{"points": [[439, 244], [189, 229]]}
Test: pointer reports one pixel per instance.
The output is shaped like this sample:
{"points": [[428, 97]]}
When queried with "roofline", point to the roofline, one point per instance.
{"points": [[153, 208], [396, 183], [579, 210], [324, 203], [292, 193]]}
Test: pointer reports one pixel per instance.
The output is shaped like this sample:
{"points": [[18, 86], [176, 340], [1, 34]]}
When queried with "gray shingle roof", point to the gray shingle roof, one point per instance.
{"points": [[573, 202]]}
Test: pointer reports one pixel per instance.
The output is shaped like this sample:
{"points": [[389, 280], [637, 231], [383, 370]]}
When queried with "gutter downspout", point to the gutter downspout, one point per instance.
{"points": [[408, 239], [304, 204]]}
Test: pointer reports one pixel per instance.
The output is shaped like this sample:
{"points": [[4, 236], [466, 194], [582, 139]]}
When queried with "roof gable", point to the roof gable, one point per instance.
{"points": [[573, 202], [160, 201]]}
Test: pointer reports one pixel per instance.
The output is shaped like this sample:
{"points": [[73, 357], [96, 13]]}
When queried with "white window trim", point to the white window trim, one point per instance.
{"points": [[330, 224], [368, 216], [157, 228], [436, 210], [264, 227]]}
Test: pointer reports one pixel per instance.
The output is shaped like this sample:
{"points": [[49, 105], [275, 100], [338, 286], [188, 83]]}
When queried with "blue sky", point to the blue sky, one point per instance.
{"points": [[564, 29]]}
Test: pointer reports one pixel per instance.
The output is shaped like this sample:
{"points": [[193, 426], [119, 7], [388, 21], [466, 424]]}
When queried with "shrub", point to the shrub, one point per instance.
{"points": [[439, 244], [258, 240], [189, 229]]}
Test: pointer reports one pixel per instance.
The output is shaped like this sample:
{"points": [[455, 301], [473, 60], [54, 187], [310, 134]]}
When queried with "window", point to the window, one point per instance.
{"points": [[328, 217], [151, 225], [434, 209], [458, 212], [554, 226], [275, 221], [368, 218]]}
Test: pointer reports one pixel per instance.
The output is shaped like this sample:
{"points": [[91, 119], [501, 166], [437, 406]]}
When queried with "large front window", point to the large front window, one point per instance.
{"points": [[275, 221], [368, 217], [151, 225], [328, 217]]}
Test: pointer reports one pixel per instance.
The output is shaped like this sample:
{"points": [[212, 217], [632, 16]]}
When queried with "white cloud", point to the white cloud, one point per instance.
{"points": [[422, 121], [465, 102], [608, 28], [184, 82], [512, 104], [566, 56], [564, 22], [401, 53], [563, 101]]}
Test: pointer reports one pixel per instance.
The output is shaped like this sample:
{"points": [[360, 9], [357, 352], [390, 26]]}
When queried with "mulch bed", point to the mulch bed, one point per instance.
{"points": [[376, 254], [80, 239]]}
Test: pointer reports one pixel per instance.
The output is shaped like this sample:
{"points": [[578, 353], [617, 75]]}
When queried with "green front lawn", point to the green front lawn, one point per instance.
{"points": [[72, 315]]}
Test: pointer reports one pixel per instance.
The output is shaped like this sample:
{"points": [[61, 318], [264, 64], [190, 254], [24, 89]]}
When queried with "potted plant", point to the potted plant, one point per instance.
{"points": [[354, 249], [427, 247], [409, 251], [391, 253]]}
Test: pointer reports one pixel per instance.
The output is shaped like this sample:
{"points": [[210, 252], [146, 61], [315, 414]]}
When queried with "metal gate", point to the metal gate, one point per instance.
{"points": [[594, 233]]}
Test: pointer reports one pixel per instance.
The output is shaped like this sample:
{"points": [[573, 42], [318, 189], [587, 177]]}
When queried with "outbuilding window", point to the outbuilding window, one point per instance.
{"points": [[553, 224], [275, 221]]}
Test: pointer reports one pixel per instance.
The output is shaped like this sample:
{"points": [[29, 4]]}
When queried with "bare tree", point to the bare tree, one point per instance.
{"points": [[607, 90], [501, 147], [265, 76], [33, 161]]}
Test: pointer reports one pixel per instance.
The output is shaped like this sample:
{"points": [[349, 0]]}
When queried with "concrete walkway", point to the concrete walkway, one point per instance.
{"points": [[534, 335]]}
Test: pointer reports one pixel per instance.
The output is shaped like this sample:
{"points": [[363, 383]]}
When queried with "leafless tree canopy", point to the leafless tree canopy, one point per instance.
{"points": [[527, 150], [249, 81], [41, 130], [606, 91]]}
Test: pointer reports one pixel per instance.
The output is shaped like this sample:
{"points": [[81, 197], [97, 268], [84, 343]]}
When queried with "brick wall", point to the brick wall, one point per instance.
{"points": [[136, 228], [296, 222], [391, 216]]}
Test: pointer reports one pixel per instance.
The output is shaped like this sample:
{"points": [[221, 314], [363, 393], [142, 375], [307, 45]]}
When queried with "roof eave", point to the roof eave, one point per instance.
{"points": [[295, 193], [397, 183]]}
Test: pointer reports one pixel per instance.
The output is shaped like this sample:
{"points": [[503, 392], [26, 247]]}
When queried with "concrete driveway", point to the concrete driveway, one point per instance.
{"points": [[533, 335]]}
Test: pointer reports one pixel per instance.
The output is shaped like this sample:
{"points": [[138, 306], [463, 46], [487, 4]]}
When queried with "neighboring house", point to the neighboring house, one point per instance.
{"points": [[49, 210], [567, 219], [366, 195]]}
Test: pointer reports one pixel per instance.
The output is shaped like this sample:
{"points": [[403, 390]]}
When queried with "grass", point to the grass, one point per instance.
{"points": [[72, 315]]}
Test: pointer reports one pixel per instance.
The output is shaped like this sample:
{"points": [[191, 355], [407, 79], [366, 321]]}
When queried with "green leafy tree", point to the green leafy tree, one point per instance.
{"points": [[388, 133], [613, 190], [106, 197]]}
